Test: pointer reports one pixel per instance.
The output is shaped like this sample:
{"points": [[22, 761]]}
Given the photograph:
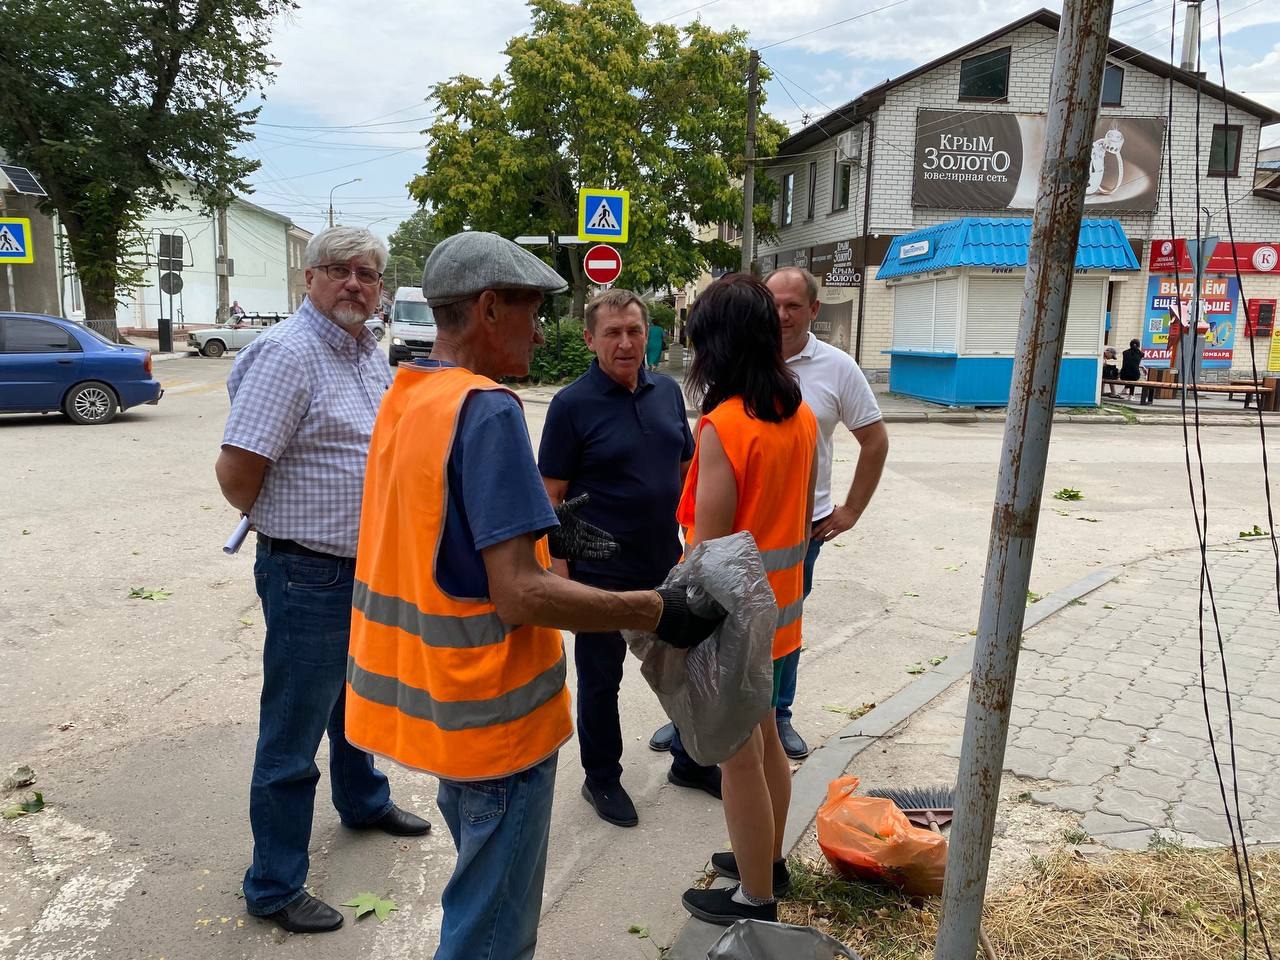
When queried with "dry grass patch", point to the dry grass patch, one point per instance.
{"points": [[1168, 904]]}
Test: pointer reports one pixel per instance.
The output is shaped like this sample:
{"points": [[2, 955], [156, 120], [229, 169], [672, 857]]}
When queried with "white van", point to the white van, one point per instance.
{"points": [[413, 328]]}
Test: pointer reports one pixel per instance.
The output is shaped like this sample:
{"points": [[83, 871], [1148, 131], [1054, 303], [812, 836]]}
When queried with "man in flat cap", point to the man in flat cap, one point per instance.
{"points": [[456, 666]]}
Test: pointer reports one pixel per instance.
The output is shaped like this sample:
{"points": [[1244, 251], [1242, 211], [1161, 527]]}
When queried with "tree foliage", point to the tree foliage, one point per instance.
{"points": [[111, 101], [595, 97], [410, 245]]}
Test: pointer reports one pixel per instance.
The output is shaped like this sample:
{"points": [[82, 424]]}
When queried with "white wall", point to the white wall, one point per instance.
{"points": [[256, 244]]}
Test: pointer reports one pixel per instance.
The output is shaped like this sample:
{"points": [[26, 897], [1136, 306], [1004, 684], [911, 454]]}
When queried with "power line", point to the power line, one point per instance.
{"points": [[837, 23]]}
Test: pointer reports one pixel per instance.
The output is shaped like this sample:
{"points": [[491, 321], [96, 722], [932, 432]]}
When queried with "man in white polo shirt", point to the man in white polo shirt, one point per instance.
{"points": [[838, 392]]}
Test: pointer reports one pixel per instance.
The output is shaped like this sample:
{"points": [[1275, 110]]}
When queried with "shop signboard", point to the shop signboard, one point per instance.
{"points": [[833, 264], [1169, 256], [980, 160], [1219, 297]]}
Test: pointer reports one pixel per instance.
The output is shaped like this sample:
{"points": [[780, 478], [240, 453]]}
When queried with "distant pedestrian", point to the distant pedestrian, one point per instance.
{"points": [[654, 345], [1110, 370], [303, 400], [1132, 367], [457, 666], [236, 309], [620, 435]]}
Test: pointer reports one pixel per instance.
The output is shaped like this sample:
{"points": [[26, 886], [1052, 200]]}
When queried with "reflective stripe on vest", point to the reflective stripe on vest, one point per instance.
{"points": [[786, 557], [435, 630], [438, 682], [457, 714]]}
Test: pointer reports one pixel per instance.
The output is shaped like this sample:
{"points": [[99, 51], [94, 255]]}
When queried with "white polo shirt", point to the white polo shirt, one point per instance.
{"points": [[836, 389]]}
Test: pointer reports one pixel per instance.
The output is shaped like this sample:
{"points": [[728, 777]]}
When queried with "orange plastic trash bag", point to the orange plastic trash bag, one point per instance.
{"points": [[868, 838]]}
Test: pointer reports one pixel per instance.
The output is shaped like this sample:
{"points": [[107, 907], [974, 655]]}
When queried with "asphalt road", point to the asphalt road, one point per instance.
{"points": [[139, 716]]}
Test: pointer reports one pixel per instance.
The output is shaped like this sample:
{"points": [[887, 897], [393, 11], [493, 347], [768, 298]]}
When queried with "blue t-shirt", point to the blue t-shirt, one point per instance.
{"points": [[624, 449], [495, 490]]}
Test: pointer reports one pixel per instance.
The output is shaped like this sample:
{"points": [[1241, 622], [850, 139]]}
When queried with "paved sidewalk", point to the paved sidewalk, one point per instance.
{"points": [[1109, 705]]}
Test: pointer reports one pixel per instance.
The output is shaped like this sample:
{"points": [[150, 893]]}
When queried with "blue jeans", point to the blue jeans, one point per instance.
{"points": [[791, 662], [307, 604], [494, 898]]}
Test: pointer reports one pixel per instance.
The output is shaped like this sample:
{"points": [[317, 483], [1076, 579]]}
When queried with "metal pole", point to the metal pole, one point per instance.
{"points": [[224, 281], [1073, 108], [749, 172], [13, 296]]}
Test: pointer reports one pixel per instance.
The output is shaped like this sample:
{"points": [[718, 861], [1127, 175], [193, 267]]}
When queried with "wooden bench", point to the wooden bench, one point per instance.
{"points": [[1149, 388]]}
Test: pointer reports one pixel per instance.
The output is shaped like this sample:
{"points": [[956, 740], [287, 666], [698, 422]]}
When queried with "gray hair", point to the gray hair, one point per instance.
{"points": [[340, 244], [614, 299], [810, 281]]}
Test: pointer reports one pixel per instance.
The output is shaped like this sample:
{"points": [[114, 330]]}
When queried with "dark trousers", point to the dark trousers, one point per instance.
{"points": [[599, 658]]}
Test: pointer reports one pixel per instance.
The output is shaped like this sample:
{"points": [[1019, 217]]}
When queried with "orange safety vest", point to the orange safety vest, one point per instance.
{"points": [[772, 463], [438, 682]]}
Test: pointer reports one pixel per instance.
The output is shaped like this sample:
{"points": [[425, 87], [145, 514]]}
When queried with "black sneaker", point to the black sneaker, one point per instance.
{"points": [[718, 906], [726, 865], [612, 803], [706, 779]]}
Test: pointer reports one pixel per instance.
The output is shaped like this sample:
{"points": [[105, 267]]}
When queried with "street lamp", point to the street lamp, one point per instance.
{"points": [[335, 187]]}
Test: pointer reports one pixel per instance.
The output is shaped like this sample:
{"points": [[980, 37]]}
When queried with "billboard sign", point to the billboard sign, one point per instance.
{"points": [[1219, 297], [979, 160], [1169, 256], [832, 264]]}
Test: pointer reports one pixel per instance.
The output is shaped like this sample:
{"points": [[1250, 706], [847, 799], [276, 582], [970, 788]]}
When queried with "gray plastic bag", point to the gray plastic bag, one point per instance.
{"points": [[761, 940], [719, 691]]}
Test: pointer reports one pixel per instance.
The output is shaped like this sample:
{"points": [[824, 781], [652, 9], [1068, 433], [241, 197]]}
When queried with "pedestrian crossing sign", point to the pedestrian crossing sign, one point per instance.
{"points": [[603, 214], [15, 240]]}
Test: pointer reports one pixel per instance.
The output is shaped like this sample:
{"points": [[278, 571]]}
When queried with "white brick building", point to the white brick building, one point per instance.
{"points": [[877, 133]]}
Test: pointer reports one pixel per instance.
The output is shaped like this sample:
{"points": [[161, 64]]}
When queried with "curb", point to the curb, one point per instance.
{"points": [[832, 758]]}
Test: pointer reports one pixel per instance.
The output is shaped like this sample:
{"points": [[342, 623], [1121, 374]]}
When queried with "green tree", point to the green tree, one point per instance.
{"points": [[595, 97], [112, 101], [410, 245]]}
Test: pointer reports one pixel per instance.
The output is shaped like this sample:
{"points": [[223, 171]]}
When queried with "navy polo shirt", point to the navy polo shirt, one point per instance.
{"points": [[625, 450]]}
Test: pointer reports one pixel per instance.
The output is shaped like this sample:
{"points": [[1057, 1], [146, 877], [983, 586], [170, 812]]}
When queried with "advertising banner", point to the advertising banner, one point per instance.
{"points": [[833, 265], [977, 160], [1219, 297], [1249, 257]]}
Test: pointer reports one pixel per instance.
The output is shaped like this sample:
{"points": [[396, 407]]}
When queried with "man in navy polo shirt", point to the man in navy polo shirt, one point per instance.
{"points": [[620, 434]]}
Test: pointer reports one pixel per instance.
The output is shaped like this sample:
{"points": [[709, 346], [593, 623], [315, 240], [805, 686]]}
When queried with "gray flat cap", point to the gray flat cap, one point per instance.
{"points": [[468, 263]]}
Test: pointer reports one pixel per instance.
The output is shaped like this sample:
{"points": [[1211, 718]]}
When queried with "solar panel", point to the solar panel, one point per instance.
{"points": [[23, 180]]}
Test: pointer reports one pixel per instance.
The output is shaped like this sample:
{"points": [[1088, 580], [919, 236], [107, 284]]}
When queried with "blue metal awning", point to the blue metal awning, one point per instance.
{"points": [[999, 242]]}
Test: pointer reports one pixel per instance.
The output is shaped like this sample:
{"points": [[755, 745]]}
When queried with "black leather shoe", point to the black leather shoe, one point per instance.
{"points": [[718, 906], [726, 865], [662, 737], [612, 803], [306, 914], [793, 744], [706, 779], [399, 823]]}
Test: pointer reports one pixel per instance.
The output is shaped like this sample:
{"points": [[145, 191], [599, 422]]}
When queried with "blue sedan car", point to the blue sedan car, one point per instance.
{"points": [[47, 363]]}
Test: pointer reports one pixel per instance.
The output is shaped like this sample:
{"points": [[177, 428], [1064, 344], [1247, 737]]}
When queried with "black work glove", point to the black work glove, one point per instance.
{"points": [[680, 626], [576, 539]]}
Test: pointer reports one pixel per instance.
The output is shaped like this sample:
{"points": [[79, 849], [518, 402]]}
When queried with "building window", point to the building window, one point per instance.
{"points": [[813, 188], [986, 76], [729, 232], [1112, 85], [841, 180], [787, 200], [1224, 151]]}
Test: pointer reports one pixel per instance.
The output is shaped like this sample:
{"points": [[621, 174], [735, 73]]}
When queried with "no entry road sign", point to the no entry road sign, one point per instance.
{"points": [[602, 264]]}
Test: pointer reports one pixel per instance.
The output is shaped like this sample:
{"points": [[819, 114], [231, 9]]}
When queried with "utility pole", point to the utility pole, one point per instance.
{"points": [[221, 268], [749, 173], [1074, 93]]}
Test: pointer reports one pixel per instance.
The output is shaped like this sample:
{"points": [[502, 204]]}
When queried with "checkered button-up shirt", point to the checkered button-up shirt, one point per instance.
{"points": [[304, 395]]}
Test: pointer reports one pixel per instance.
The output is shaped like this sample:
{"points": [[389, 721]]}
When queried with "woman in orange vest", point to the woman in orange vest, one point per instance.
{"points": [[756, 448]]}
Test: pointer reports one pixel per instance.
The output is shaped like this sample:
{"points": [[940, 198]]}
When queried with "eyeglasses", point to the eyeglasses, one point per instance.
{"points": [[340, 273]]}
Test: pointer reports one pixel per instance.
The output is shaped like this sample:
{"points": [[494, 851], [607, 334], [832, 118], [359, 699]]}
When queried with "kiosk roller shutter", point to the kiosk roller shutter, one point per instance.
{"points": [[991, 315], [913, 316], [1085, 316], [946, 310]]}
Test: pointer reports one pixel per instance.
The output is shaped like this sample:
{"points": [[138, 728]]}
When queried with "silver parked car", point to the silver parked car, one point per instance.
{"points": [[228, 336]]}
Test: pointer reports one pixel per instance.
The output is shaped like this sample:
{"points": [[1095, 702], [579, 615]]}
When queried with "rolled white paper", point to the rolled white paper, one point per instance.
{"points": [[236, 540]]}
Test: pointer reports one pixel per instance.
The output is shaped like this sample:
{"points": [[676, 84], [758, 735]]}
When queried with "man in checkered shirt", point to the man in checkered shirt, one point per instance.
{"points": [[304, 396]]}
